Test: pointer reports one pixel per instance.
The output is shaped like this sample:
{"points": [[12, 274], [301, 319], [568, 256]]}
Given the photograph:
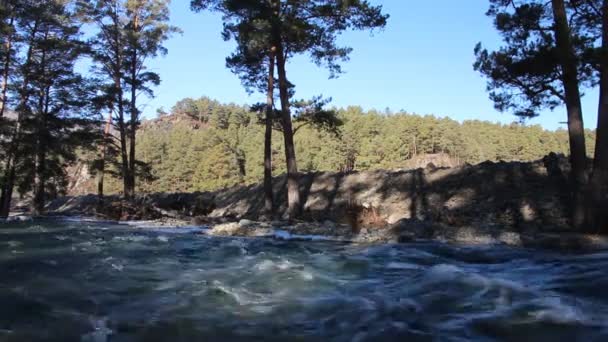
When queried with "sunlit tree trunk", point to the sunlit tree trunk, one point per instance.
{"points": [[293, 192], [117, 76], [122, 132], [576, 132], [102, 157]]}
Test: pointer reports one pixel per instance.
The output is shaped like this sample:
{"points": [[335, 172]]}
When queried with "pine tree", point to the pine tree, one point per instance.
{"points": [[312, 27], [147, 29], [52, 115], [130, 32], [248, 24], [28, 28], [541, 66], [108, 49], [292, 28]]}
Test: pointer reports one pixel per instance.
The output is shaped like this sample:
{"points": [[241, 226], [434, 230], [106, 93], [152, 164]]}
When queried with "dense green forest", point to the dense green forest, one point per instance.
{"points": [[202, 144]]}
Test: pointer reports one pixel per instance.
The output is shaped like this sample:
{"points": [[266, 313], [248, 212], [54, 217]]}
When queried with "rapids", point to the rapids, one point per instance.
{"points": [[79, 280]]}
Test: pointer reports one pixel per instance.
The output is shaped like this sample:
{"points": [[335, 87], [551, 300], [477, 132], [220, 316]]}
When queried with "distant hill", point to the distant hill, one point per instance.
{"points": [[202, 144]]}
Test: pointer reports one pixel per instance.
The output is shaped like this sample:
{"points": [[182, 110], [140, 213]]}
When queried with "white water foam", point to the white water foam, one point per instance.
{"points": [[19, 218], [100, 333], [285, 235], [402, 266], [267, 265], [132, 238]]}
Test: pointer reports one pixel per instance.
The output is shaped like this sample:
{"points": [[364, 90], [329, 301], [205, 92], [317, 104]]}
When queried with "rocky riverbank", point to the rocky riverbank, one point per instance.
{"points": [[407, 231], [507, 202]]}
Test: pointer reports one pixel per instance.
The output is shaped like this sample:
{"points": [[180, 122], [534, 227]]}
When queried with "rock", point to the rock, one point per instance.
{"points": [[406, 237], [225, 229], [259, 232], [471, 235], [246, 223], [329, 224], [510, 238], [553, 164], [263, 224], [277, 223], [235, 229], [527, 212], [203, 206], [417, 228], [199, 220]]}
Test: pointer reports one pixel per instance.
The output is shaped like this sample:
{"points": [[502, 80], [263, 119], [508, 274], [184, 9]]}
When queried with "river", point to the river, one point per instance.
{"points": [[81, 280]]}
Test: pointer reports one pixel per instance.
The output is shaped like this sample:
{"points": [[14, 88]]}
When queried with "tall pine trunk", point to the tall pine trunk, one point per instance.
{"points": [[268, 194], [124, 167], [41, 142], [293, 191], [598, 214], [7, 64], [576, 132], [117, 75], [132, 128], [102, 155], [134, 111], [122, 131], [7, 186], [7, 189], [40, 179]]}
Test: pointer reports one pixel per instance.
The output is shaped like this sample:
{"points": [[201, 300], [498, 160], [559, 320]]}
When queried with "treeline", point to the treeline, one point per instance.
{"points": [[49, 110], [202, 144]]}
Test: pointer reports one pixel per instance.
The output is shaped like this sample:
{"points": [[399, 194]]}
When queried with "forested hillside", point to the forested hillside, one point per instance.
{"points": [[202, 144]]}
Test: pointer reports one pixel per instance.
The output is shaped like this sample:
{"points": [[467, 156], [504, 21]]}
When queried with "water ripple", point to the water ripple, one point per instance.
{"points": [[98, 281]]}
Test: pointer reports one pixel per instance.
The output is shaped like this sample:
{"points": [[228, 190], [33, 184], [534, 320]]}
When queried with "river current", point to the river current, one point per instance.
{"points": [[79, 280]]}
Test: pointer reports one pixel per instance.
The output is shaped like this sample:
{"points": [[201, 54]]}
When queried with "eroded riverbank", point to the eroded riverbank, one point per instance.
{"points": [[508, 202]]}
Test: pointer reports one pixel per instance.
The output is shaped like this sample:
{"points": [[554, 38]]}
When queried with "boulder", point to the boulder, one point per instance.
{"points": [[226, 229], [246, 223], [408, 229]]}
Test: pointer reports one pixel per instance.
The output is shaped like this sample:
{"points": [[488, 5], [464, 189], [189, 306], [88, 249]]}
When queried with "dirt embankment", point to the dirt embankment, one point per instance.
{"points": [[511, 195], [505, 201]]}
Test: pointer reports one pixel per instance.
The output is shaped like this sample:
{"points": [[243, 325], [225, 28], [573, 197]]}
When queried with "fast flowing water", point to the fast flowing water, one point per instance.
{"points": [[75, 280]]}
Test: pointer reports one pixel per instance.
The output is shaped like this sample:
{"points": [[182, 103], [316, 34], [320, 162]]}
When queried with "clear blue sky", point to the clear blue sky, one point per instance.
{"points": [[421, 62]]}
